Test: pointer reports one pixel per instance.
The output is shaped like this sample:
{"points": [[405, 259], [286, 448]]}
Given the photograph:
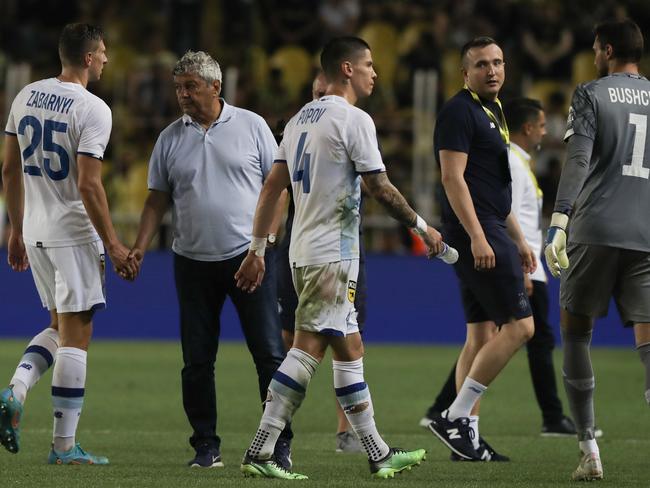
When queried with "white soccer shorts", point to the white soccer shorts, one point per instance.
{"points": [[69, 279], [326, 297]]}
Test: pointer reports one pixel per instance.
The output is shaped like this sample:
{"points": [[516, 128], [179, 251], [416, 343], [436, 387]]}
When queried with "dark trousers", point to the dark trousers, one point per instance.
{"points": [[202, 288], [540, 361]]}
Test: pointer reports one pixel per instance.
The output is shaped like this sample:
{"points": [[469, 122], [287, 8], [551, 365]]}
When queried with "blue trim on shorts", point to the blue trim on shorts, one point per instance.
{"points": [[346, 390], [41, 351], [63, 392], [97, 306], [288, 381], [332, 332]]}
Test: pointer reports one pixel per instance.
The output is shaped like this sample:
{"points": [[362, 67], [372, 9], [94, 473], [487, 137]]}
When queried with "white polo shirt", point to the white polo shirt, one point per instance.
{"points": [[214, 178], [527, 204]]}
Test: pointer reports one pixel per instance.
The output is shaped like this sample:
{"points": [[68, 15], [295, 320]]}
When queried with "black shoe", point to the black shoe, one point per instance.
{"points": [[563, 428], [282, 453], [486, 453], [428, 417], [456, 435], [206, 457]]}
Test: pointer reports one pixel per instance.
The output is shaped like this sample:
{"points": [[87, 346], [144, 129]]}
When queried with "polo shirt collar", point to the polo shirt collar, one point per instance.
{"points": [[519, 150], [226, 114]]}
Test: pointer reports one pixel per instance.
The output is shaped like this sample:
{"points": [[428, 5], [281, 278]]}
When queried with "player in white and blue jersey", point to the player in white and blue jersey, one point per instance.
{"points": [[56, 135], [326, 146]]}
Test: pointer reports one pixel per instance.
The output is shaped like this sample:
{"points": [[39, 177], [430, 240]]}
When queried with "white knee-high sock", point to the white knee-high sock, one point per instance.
{"points": [[467, 397], [36, 360], [286, 392], [353, 394], [68, 388]]}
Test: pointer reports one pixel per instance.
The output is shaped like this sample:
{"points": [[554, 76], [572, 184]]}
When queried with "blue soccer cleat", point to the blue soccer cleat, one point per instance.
{"points": [[10, 412], [76, 455]]}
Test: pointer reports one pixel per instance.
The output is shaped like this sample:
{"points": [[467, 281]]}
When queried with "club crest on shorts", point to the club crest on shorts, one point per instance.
{"points": [[352, 290], [102, 262], [523, 301]]}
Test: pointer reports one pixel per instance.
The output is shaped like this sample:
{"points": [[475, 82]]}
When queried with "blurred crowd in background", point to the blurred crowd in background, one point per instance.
{"points": [[268, 51]]}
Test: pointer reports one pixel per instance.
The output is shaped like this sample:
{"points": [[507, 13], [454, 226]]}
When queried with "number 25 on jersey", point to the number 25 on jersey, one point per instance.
{"points": [[44, 133]]}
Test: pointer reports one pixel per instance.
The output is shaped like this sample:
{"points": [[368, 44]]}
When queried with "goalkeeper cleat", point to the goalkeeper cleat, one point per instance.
{"points": [[396, 461], [75, 455], [589, 469], [10, 412], [267, 468]]}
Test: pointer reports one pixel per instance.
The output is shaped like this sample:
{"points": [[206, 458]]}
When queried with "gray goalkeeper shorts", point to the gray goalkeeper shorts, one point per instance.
{"points": [[598, 273]]}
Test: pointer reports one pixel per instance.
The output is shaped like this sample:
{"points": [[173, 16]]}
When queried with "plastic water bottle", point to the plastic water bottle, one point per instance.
{"points": [[448, 254]]}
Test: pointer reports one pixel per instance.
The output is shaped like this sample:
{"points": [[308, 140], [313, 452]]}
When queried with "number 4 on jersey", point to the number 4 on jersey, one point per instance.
{"points": [[301, 164]]}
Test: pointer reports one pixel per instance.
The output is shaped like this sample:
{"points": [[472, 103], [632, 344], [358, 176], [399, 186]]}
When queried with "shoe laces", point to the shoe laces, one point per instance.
{"points": [[464, 427]]}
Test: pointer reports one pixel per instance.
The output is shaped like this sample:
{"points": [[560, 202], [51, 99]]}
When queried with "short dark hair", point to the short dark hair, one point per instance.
{"points": [[76, 40], [476, 42], [624, 36], [338, 50], [519, 111]]}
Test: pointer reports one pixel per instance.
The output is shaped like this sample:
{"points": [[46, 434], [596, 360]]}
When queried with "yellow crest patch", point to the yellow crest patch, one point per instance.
{"points": [[352, 290]]}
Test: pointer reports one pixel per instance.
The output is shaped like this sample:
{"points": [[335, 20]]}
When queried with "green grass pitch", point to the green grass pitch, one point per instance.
{"points": [[133, 415]]}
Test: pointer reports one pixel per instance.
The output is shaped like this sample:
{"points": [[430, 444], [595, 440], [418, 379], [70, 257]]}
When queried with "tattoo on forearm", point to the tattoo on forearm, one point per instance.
{"points": [[391, 199]]}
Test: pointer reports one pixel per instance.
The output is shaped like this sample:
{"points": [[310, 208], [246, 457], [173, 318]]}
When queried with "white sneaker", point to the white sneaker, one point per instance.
{"points": [[589, 469]]}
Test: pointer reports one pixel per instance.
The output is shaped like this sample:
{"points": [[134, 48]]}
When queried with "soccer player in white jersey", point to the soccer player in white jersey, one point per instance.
{"points": [[326, 146], [56, 135]]}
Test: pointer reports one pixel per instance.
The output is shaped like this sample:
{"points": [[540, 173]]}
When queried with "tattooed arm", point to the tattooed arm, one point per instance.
{"points": [[396, 205]]}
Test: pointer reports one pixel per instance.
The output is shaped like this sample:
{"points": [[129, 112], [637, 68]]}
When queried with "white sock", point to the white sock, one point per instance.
{"points": [[286, 392], [468, 395], [36, 360], [473, 423], [354, 396], [589, 446], [68, 388]]}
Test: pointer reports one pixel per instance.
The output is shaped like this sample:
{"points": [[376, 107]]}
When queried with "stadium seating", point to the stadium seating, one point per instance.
{"points": [[295, 64]]}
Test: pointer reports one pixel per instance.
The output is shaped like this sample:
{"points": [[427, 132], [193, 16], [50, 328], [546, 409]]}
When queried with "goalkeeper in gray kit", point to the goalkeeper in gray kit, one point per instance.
{"points": [[605, 192]]}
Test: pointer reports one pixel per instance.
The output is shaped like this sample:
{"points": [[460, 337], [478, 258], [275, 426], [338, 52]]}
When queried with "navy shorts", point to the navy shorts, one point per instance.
{"points": [[498, 294]]}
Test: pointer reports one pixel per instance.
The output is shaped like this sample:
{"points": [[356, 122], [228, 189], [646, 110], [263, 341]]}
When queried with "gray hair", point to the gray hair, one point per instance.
{"points": [[199, 63]]}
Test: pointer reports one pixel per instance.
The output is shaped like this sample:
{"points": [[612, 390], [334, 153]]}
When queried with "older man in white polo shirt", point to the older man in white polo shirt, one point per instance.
{"points": [[210, 165]]}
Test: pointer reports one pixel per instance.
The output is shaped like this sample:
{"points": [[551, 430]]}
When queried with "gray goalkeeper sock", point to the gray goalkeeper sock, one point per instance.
{"points": [[579, 381]]}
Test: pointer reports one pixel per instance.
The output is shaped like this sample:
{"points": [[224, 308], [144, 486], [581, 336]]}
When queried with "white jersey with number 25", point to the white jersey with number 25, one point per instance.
{"points": [[54, 121]]}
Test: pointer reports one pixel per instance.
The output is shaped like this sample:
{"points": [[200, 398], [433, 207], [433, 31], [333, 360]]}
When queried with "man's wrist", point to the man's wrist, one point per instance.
{"points": [[560, 220], [258, 246], [420, 227]]}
